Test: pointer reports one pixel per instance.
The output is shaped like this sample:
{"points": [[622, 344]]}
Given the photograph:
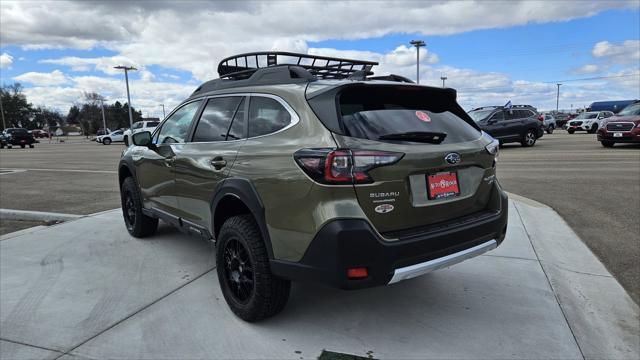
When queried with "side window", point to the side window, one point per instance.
{"points": [[266, 116], [216, 119], [499, 116], [175, 129], [136, 125], [511, 114]]}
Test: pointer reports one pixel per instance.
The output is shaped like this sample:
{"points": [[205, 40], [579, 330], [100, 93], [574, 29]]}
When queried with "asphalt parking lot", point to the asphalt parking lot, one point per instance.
{"points": [[596, 190], [76, 177], [86, 289]]}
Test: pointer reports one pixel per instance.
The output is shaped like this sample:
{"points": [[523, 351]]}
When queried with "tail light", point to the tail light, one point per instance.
{"points": [[343, 166], [541, 118]]}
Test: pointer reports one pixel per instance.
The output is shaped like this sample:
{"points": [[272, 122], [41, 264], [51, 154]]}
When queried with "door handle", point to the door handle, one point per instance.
{"points": [[218, 162]]}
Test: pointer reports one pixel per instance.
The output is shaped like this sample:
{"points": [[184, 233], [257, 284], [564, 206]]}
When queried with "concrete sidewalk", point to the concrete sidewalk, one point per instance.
{"points": [[86, 289]]}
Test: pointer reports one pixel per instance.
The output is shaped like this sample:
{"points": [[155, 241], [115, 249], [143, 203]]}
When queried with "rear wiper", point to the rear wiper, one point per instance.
{"points": [[416, 136]]}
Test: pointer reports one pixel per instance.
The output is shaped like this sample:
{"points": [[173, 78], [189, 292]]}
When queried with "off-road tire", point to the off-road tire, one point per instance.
{"points": [[570, 131], [529, 138], [137, 223], [269, 293], [106, 141], [607, 144]]}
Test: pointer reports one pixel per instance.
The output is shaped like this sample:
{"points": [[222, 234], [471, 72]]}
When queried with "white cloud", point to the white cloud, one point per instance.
{"points": [[5, 61], [56, 77], [195, 35], [623, 53], [587, 69], [103, 64], [145, 95]]}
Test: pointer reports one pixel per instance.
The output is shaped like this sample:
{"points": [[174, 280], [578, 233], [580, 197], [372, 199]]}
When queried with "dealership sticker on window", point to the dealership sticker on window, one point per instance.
{"points": [[423, 116]]}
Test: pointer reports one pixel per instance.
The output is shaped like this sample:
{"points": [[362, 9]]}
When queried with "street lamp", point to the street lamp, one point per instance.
{"points": [[418, 44], [126, 77], [558, 97], [163, 114], [443, 78], [104, 121]]}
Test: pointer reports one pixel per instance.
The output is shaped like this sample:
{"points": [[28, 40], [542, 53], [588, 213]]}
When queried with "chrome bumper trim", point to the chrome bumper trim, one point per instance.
{"points": [[412, 271]]}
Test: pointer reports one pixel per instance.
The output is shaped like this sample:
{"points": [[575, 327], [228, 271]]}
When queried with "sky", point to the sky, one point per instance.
{"points": [[490, 51]]}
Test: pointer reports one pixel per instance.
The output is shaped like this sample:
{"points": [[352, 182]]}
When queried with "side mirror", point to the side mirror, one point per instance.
{"points": [[142, 138]]}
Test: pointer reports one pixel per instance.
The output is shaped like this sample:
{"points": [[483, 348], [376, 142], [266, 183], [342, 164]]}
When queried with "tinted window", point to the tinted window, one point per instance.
{"points": [[266, 116], [372, 113], [153, 123], [216, 119], [238, 125], [511, 114], [497, 116], [176, 127], [479, 115]]}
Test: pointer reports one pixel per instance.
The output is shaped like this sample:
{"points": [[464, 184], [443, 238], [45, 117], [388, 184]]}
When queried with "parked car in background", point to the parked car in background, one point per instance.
{"points": [[116, 136], [589, 121], [3, 141], [139, 126], [103, 131], [39, 133], [614, 106], [548, 122], [19, 136], [621, 128], [516, 124]]}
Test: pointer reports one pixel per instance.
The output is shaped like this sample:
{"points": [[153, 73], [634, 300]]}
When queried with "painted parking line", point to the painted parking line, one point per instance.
{"points": [[8, 171]]}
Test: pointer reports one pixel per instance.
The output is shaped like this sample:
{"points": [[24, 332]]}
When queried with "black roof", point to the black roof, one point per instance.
{"points": [[278, 67]]}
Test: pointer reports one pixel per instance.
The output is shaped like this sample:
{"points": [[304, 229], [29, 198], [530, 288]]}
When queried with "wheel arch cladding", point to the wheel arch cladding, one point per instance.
{"points": [[236, 196], [124, 172]]}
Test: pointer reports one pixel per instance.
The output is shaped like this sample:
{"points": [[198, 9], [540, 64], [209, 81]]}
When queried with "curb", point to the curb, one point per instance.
{"points": [[24, 215]]}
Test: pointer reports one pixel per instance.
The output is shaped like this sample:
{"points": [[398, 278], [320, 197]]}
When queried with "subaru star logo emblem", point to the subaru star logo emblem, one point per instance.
{"points": [[452, 158]]}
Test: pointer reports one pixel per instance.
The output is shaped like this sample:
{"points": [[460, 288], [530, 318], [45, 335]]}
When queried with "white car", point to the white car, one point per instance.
{"points": [[138, 126], [116, 136], [548, 123], [589, 121]]}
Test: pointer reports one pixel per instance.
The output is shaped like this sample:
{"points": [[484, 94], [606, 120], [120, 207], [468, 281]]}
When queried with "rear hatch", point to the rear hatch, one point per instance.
{"points": [[443, 170]]}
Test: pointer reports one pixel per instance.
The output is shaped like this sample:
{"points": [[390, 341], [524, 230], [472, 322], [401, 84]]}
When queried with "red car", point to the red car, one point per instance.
{"points": [[622, 128]]}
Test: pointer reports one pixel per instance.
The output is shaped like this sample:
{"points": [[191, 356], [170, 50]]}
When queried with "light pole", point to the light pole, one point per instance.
{"points": [[418, 44], [104, 121], [558, 97], [126, 78], [163, 114], [443, 78]]}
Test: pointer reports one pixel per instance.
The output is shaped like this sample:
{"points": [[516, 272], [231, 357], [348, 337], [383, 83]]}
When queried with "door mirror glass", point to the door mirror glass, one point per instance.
{"points": [[142, 138]]}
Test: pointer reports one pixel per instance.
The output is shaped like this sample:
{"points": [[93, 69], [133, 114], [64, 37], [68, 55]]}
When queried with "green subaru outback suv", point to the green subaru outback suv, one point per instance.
{"points": [[307, 168]]}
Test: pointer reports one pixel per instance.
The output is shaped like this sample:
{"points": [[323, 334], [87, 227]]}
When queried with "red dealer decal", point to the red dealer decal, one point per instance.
{"points": [[423, 116]]}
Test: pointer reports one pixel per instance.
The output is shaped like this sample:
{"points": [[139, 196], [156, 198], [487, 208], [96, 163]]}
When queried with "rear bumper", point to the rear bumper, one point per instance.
{"points": [[348, 243]]}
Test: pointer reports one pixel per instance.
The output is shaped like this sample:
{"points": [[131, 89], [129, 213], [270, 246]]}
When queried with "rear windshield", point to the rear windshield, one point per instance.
{"points": [[375, 112]]}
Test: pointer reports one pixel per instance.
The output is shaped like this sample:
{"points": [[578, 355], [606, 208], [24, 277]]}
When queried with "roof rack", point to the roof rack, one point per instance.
{"points": [[242, 66]]}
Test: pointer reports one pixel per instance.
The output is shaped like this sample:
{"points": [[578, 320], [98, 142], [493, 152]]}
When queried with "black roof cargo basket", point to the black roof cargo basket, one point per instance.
{"points": [[239, 67]]}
